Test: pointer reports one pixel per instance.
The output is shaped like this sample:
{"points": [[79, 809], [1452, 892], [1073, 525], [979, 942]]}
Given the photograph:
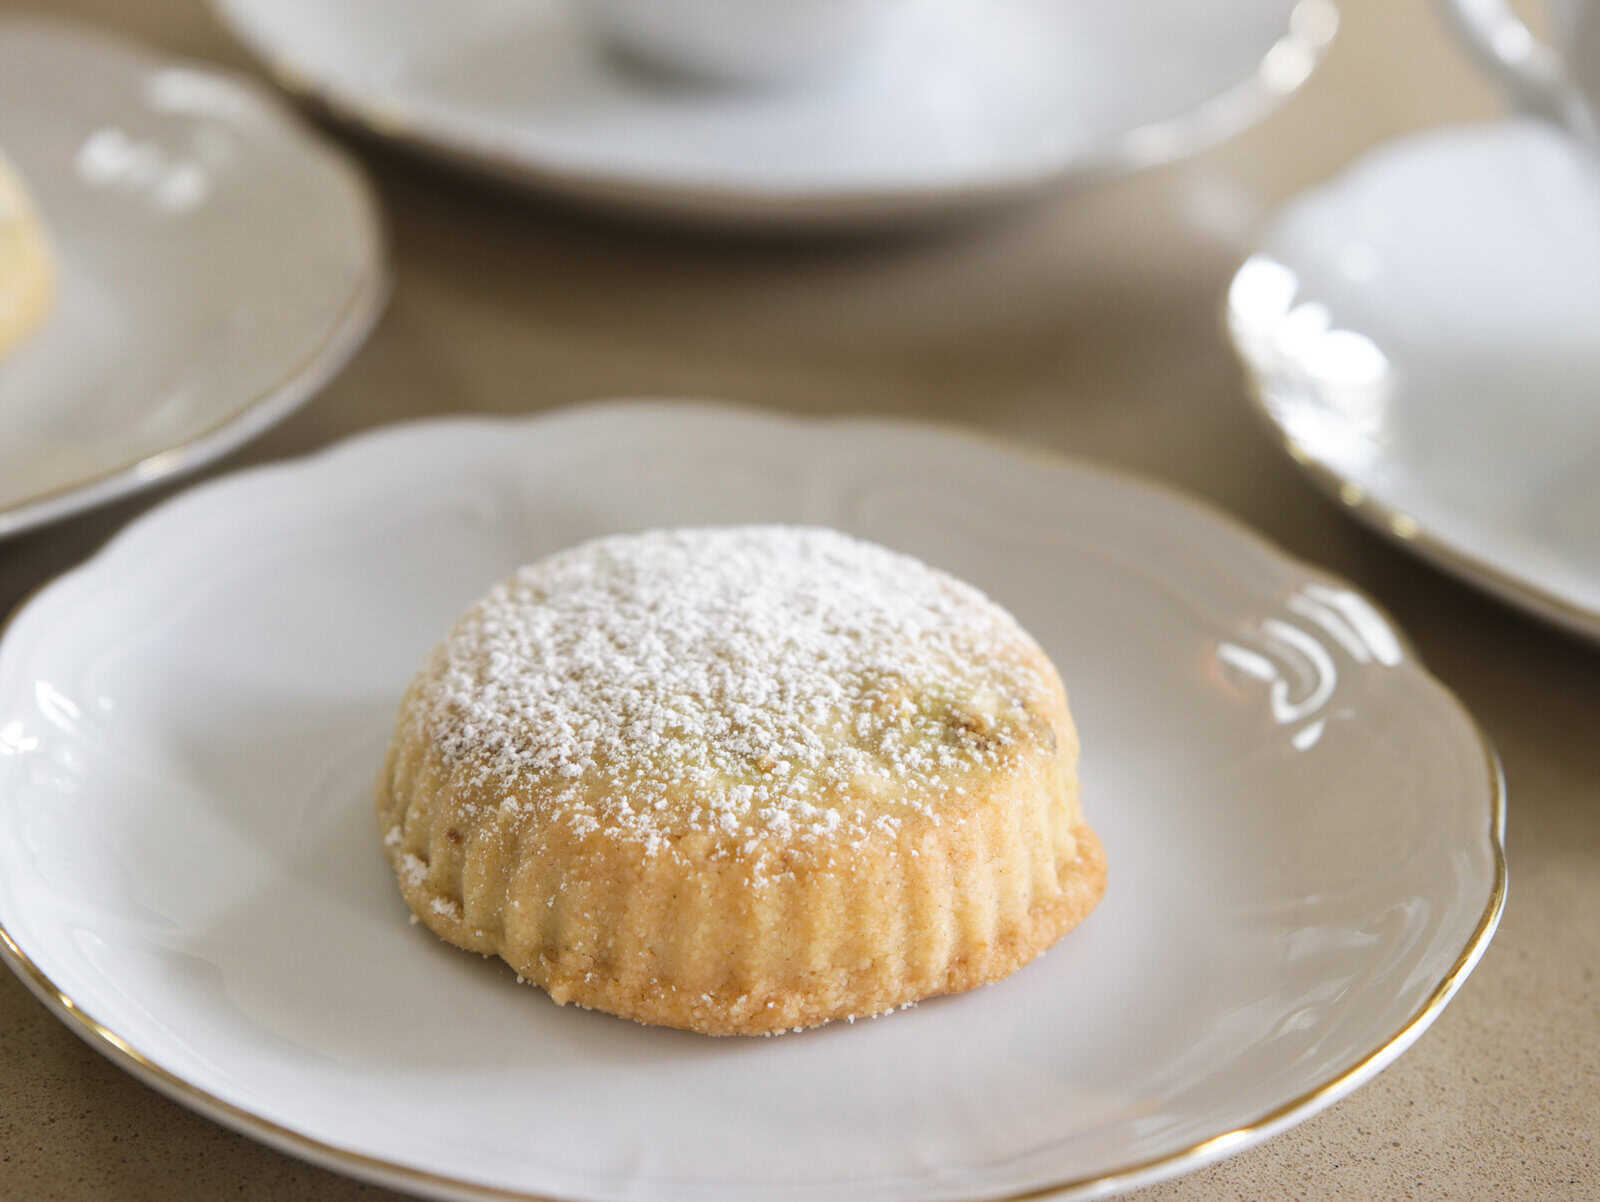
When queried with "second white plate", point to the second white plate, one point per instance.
{"points": [[217, 262], [970, 103], [1424, 334], [1303, 829]]}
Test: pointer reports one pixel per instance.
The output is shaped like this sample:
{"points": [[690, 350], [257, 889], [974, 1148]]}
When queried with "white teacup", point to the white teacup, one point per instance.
{"points": [[1559, 80], [744, 41]]}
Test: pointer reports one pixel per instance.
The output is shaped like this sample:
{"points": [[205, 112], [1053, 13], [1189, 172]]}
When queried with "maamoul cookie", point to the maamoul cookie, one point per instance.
{"points": [[25, 275], [740, 781]]}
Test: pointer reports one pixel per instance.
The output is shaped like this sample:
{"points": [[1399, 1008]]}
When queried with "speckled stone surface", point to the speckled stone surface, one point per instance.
{"points": [[1086, 323]]}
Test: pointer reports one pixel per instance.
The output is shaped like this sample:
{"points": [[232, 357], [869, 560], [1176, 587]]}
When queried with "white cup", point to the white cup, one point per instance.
{"points": [[1558, 80], [744, 41]]}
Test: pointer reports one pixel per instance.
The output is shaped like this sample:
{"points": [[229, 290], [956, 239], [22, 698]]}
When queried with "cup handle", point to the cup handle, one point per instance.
{"points": [[1529, 69]]}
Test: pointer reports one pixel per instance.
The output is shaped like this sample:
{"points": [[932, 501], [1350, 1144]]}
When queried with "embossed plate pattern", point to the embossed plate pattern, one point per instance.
{"points": [[1303, 828]]}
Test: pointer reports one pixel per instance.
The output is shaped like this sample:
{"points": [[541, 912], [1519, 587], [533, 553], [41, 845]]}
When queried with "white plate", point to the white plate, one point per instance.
{"points": [[216, 264], [1424, 333], [969, 104], [1303, 829]]}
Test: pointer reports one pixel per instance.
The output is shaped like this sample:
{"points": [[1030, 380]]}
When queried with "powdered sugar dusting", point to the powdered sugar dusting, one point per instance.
{"points": [[414, 869], [758, 681]]}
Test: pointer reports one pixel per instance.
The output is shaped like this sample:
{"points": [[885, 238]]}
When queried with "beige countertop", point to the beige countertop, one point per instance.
{"points": [[1086, 323]]}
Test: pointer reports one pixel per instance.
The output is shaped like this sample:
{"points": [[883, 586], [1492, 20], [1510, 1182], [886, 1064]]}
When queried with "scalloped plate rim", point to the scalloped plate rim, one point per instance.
{"points": [[398, 1174]]}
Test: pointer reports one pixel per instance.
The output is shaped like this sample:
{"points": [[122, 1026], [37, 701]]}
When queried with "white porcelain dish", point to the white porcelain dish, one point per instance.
{"points": [[216, 264], [967, 104], [1424, 334], [1304, 829]]}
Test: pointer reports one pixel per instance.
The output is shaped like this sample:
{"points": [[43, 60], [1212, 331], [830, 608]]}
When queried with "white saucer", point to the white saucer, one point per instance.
{"points": [[216, 264], [1303, 828], [1424, 332], [971, 104]]}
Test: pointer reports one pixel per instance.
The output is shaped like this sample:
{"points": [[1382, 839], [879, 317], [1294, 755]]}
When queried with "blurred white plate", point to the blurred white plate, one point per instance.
{"points": [[1424, 333], [216, 264], [971, 103], [1303, 828]]}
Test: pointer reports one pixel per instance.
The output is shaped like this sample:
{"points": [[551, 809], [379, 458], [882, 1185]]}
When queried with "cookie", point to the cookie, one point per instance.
{"points": [[740, 781]]}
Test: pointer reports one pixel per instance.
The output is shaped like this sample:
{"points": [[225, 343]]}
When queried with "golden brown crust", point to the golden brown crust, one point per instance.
{"points": [[882, 890], [806, 999], [727, 937]]}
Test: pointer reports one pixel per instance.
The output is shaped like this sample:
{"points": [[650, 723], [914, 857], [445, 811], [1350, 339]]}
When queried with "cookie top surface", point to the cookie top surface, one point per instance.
{"points": [[757, 680]]}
